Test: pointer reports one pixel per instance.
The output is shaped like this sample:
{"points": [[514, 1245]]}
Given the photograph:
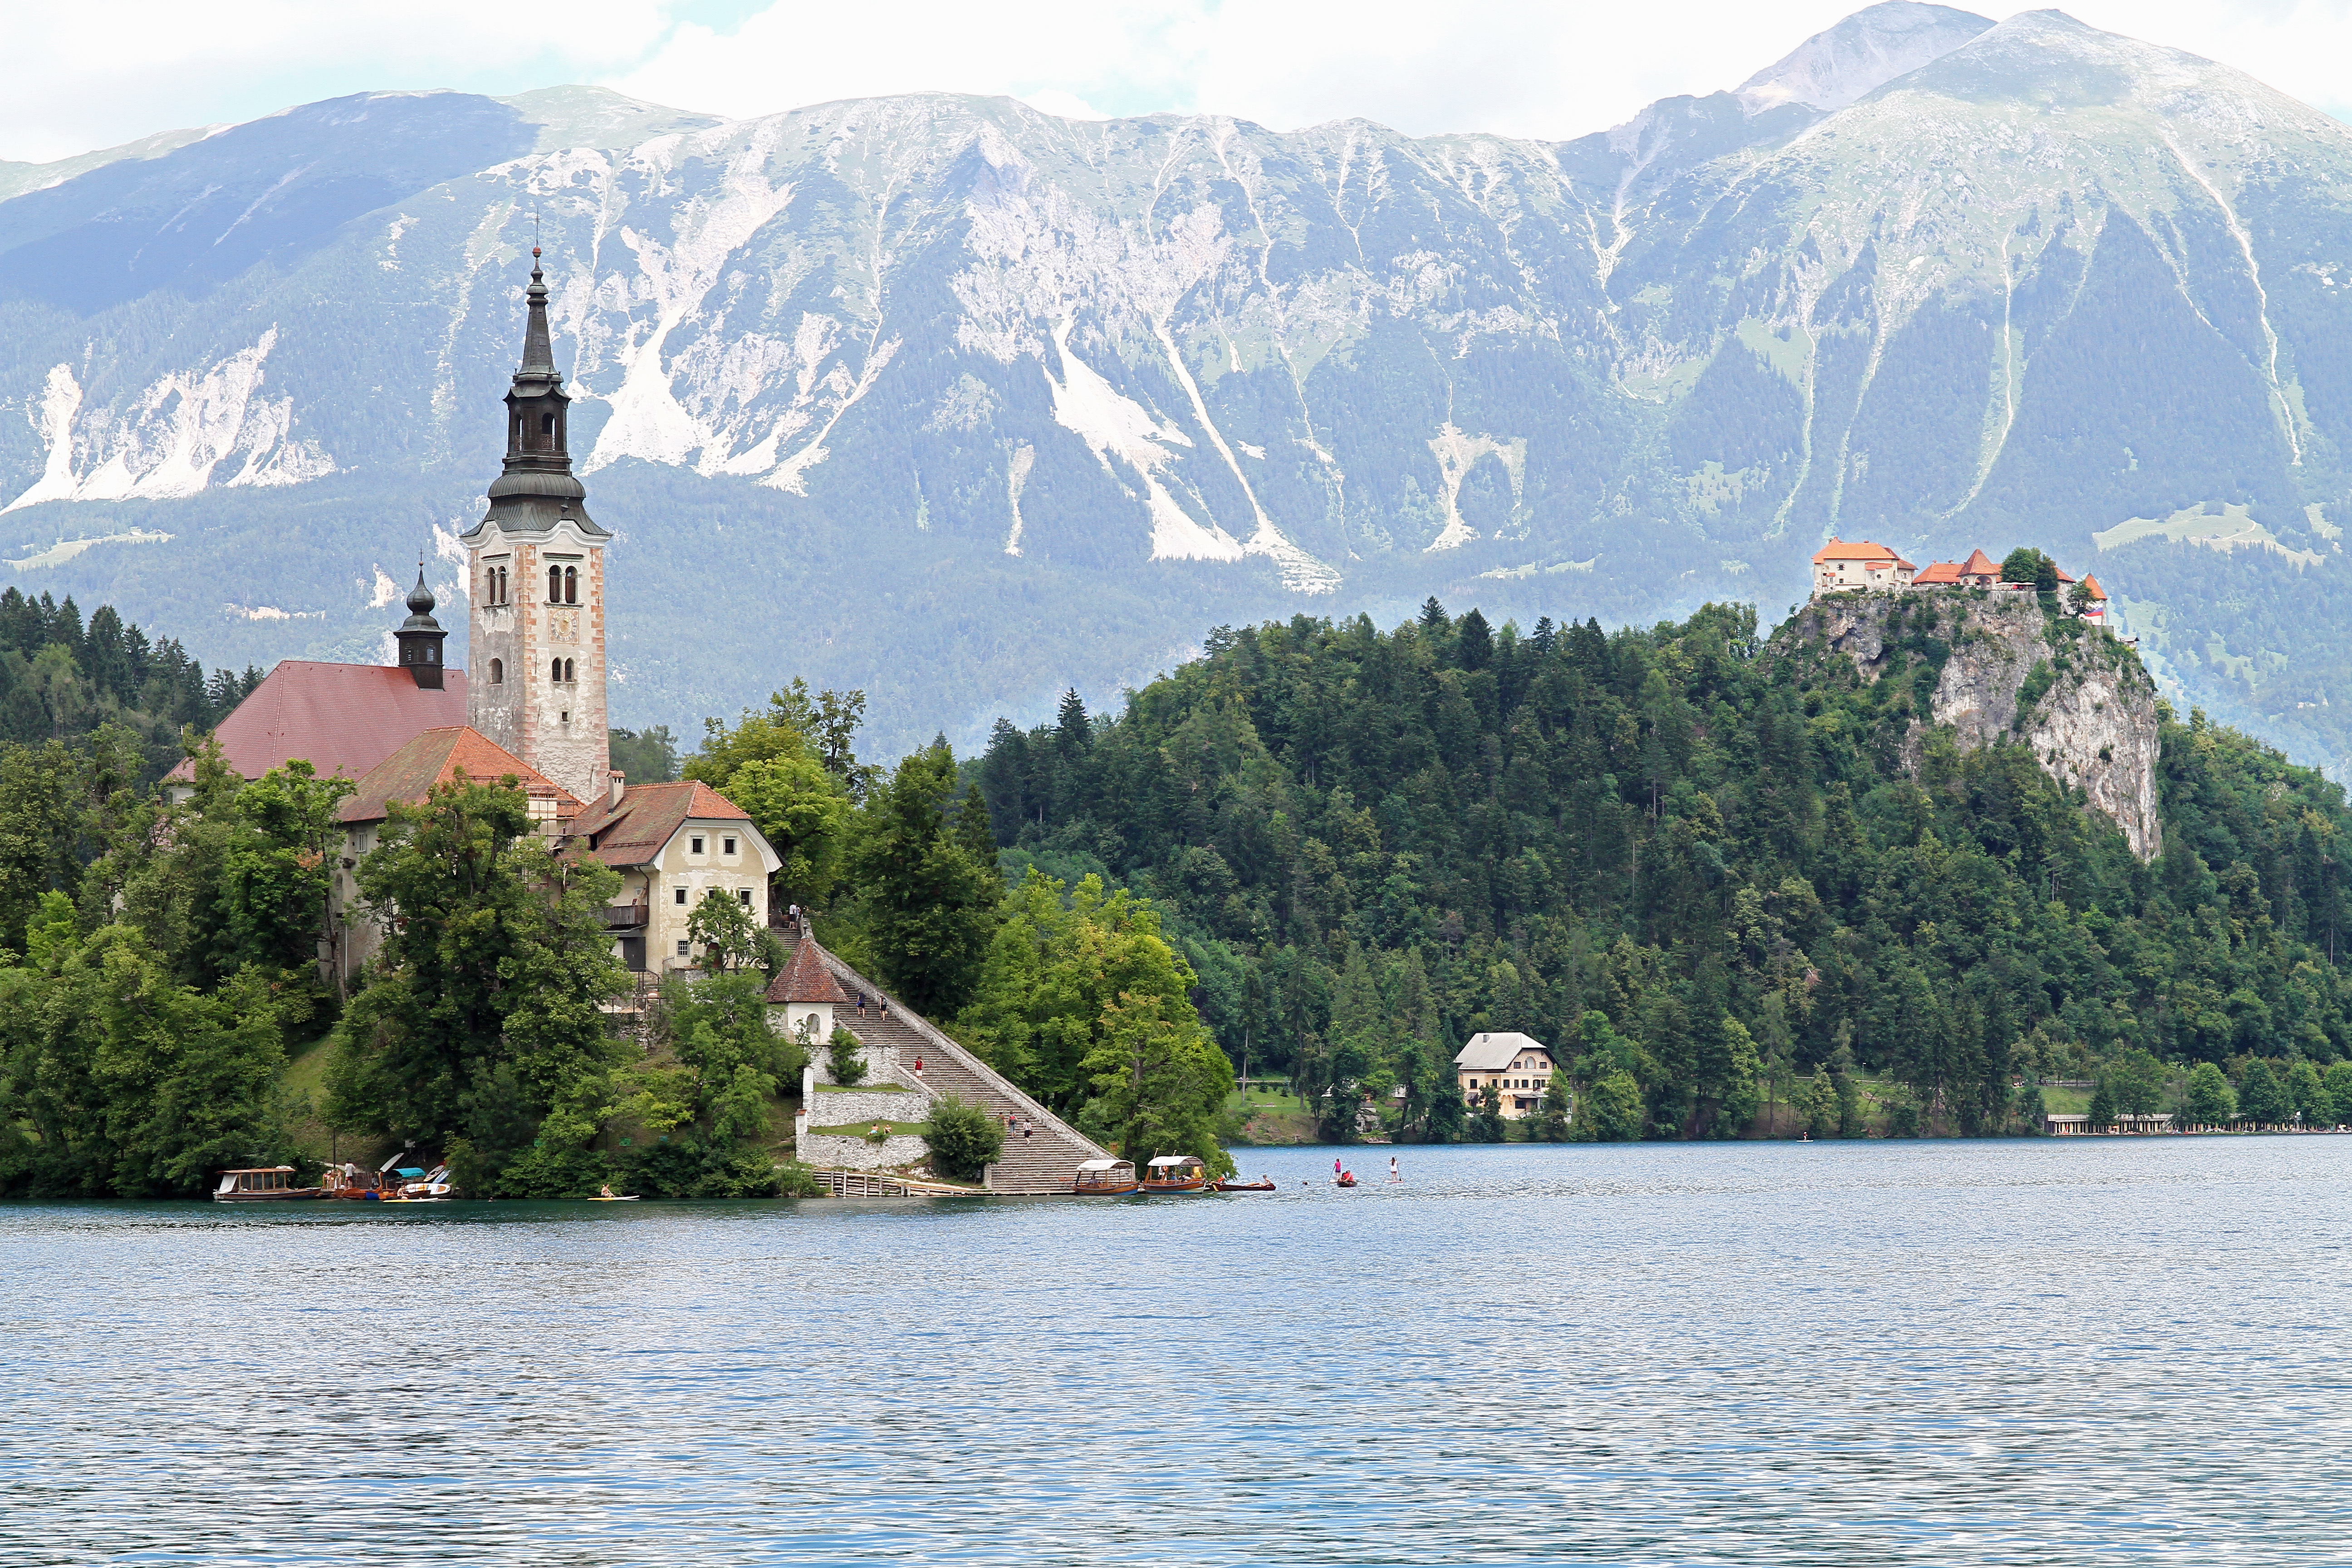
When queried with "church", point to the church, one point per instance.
{"points": [[532, 706]]}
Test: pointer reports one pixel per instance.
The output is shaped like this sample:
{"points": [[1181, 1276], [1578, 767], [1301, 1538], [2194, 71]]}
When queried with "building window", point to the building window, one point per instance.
{"points": [[697, 844], [743, 896], [547, 423], [497, 672], [677, 896], [681, 947], [570, 584], [727, 846], [555, 671], [567, 672]]}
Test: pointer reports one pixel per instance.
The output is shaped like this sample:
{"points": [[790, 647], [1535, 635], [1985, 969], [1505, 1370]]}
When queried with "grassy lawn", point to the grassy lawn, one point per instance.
{"points": [[1258, 1101], [860, 1128], [861, 1089], [2066, 1102]]}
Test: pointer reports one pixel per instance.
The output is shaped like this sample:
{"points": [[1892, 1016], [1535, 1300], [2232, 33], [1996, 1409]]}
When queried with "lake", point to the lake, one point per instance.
{"points": [[1938, 1353]]}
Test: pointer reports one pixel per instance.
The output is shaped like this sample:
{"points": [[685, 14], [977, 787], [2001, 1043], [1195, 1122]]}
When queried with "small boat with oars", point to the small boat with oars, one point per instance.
{"points": [[1104, 1179], [1175, 1174], [1344, 1179], [1263, 1185], [262, 1185]]}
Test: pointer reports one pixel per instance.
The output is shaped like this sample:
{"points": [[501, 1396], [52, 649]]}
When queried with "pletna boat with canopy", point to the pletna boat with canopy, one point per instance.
{"points": [[1175, 1174], [1104, 1179]]}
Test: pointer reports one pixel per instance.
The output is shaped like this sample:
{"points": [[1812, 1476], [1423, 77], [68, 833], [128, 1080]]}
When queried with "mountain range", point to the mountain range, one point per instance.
{"points": [[961, 403]]}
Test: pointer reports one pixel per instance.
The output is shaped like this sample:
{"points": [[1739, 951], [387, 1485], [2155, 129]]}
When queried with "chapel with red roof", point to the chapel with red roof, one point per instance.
{"points": [[531, 707]]}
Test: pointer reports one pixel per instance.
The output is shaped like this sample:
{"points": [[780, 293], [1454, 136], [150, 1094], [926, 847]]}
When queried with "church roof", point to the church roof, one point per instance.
{"points": [[648, 817], [806, 979], [342, 718], [438, 756]]}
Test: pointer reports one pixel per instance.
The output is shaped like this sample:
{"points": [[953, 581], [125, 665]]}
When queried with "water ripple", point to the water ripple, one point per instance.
{"points": [[1742, 1354]]}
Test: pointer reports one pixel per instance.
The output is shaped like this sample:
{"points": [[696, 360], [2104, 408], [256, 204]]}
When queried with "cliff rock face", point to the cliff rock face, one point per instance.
{"points": [[2077, 697]]}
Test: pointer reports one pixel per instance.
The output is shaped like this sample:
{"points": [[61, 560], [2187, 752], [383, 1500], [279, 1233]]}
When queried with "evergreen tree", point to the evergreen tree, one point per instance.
{"points": [[928, 908]]}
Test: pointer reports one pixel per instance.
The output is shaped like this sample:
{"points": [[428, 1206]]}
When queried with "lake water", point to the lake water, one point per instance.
{"points": [[1859, 1353]]}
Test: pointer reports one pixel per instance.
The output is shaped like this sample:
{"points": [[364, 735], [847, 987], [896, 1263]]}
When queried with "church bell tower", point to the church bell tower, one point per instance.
{"points": [[536, 563]]}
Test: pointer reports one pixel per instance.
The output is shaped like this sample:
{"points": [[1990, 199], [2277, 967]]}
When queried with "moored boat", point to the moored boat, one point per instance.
{"points": [[261, 1185], [1104, 1179], [1266, 1187], [1174, 1173]]}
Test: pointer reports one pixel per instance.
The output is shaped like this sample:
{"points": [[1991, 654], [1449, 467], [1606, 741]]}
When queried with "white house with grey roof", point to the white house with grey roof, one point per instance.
{"points": [[1518, 1067]]}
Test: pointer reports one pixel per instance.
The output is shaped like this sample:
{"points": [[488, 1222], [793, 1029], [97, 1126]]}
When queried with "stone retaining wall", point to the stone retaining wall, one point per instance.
{"points": [[838, 1151], [840, 1110]]}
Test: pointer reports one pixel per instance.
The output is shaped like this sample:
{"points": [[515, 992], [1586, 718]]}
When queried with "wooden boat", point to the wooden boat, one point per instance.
{"points": [[1344, 1179], [262, 1185], [1104, 1179], [1242, 1187], [351, 1185], [1174, 1173]]}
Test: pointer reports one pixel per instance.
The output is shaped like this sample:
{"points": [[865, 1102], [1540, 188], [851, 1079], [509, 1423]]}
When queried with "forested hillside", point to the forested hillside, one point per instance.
{"points": [[60, 680], [1682, 854]]}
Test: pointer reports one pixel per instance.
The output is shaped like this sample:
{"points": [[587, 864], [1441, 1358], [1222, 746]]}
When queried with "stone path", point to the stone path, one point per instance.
{"points": [[1044, 1161]]}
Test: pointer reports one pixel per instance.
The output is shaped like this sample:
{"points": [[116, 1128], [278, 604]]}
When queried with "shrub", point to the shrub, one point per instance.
{"points": [[543, 1172], [848, 1057], [962, 1138]]}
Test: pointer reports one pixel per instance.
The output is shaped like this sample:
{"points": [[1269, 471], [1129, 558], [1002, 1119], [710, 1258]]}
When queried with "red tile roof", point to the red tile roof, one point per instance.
{"points": [[806, 979], [436, 757], [1855, 549], [1978, 564], [2092, 584], [648, 817], [1942, 574], [342, 717]]}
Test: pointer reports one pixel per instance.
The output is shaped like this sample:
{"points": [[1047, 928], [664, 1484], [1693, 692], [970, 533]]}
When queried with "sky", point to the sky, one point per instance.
{"points": [[97, 73]]}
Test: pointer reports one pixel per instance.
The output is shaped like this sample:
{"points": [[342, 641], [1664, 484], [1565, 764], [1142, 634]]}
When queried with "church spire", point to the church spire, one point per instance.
{"points": [[537, 486], [538, 351]]}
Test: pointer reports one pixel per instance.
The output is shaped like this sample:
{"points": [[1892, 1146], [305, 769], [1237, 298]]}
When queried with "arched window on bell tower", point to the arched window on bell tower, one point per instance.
{"points": [[497, 672], [555, 584], [570, 584]]}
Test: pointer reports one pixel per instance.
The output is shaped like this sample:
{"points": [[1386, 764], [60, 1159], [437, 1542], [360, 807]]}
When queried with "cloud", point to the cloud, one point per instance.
{"points": [[105, 71]]}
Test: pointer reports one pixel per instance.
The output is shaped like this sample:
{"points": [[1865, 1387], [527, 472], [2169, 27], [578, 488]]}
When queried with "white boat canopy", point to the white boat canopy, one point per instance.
{"points": [[1101, 1164], [1163, 1160]]}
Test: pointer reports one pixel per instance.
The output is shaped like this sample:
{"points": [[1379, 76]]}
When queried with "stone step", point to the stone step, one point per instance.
{"points": [[1045, 1161]]}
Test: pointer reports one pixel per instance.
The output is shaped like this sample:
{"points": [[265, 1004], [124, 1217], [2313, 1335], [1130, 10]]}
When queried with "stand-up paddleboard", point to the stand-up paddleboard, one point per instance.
{"points": [[617, 1198]]}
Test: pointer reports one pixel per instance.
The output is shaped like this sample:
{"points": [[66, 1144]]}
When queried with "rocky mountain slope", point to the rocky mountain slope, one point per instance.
{"points": [[959, 402], [1994, 667]]}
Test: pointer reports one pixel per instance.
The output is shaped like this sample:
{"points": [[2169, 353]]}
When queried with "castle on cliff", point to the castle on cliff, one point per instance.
{"points": [[1841, 565]]}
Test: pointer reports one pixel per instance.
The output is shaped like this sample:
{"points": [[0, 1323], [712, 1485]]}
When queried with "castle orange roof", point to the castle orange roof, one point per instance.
{"points": [[2091, 585], [1855, 550], [1978, 564], [1942, 574]]}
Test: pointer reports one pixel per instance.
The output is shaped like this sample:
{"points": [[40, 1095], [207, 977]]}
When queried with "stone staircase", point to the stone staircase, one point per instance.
{"points": [[1042, 1162]]}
